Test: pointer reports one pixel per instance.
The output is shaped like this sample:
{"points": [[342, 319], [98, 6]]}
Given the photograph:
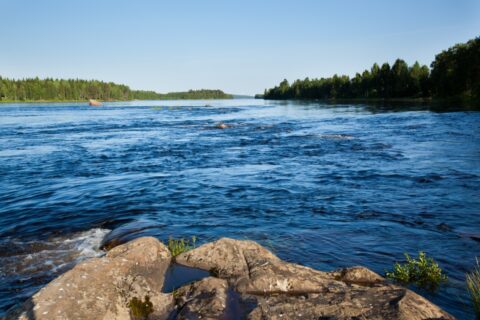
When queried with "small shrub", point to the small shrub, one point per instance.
{"points": [[423, 272], [473, 286], [178, 246], [140, 310]]}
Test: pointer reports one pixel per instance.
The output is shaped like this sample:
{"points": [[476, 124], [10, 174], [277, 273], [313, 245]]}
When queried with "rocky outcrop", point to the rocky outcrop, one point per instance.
{"points": [[246, 282], [101, 288], [270, 288]]}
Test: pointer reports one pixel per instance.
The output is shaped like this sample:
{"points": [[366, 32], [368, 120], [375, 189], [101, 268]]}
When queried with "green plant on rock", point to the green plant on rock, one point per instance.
{"points": [[473, 286], [423, 272], [176, 294], [140, 310], [178, 246]]}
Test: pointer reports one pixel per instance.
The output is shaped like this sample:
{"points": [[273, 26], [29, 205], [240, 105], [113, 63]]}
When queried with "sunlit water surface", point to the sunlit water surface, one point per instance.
{"points": [[325, 186]]}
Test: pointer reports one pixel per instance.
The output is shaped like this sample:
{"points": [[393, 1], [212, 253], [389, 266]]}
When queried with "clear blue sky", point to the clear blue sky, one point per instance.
{"points": [[239, 46]]}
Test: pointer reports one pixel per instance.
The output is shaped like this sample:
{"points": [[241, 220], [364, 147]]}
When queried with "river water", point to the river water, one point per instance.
{"points": [[327, 186]]}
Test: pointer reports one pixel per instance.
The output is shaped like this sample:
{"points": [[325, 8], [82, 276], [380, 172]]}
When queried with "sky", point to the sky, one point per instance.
{"points": [[241, 47]]}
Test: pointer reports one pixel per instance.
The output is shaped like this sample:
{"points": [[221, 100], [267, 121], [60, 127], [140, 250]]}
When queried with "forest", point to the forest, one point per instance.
{"points": [[36, 89], [455, 73]]}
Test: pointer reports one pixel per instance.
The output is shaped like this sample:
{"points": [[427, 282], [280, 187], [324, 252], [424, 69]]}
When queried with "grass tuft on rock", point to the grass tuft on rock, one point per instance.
{"points": [[473, 286], [423, 272], [178, 246], [140, 310]]}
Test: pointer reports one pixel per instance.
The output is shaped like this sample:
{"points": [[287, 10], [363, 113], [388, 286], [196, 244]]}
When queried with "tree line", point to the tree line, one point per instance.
{"points": [[35, 89], [455, 73]]}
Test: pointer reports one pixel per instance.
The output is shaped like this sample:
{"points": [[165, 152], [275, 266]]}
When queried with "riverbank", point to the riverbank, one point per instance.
{"points": [[142, 280], [433, 103]]}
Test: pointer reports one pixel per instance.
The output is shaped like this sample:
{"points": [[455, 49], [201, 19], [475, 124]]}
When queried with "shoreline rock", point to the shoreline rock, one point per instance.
{"points": [[246, 282]]}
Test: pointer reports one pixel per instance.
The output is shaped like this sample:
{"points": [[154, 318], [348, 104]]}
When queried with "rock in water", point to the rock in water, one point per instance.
{"points": [[94, 103], [101, 288], [221, 125]]}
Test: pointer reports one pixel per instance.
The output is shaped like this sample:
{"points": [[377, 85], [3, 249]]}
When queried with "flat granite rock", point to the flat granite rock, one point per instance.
{"points": [[246, 282], [281, 290], [100, 288]]}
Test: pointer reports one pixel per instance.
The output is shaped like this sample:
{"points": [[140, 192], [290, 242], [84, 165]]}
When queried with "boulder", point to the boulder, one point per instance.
{"points": [[94, 103], [101, 288]]}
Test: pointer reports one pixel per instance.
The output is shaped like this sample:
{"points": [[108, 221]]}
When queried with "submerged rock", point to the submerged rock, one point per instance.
{"points": [[221, 125], [246, 282]]}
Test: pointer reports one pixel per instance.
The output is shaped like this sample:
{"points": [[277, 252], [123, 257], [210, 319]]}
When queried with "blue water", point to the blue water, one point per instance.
{"points": [[327, 186]]}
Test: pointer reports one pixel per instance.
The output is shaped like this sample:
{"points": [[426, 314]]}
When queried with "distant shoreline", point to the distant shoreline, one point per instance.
{"points": [[104, 101]]}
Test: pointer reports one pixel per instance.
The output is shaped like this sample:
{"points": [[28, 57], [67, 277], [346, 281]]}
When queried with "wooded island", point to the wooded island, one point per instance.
{"points": [[35, 89]]}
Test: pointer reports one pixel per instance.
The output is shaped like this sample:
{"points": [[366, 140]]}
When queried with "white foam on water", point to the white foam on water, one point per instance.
{"points": [[88, 243], [52, 256], [336, 136], [28, 151]]}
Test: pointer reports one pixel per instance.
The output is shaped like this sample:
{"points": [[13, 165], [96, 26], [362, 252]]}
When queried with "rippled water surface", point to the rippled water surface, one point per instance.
{"points": [[325, 186]]}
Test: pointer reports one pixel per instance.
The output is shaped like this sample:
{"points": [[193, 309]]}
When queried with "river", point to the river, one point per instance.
{"points": [[326, 186]]}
